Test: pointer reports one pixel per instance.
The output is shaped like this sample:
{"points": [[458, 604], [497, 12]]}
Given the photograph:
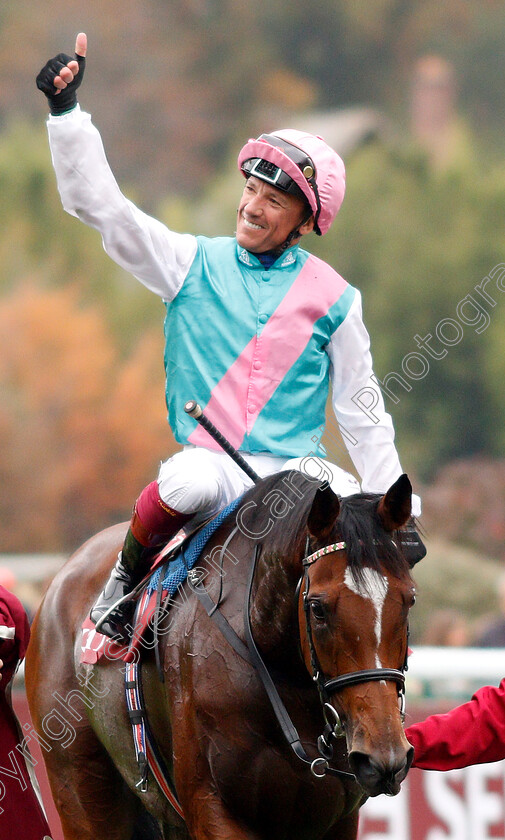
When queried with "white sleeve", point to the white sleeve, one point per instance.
{"points": [[145, 247], [359, 406]]}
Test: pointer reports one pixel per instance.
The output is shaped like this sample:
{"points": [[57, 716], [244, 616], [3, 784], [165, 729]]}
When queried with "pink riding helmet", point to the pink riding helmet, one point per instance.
{"points": [[298, 163]]}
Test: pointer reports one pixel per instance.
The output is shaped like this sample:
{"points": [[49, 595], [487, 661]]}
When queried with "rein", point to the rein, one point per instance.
{"points": [[319, 766], [250, 653]]}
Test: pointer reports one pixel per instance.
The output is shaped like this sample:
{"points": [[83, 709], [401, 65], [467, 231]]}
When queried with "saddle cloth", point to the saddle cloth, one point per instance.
{"points": [[168, 572]]}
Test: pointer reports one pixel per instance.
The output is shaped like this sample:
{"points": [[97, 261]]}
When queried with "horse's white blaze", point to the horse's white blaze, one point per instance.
{"points": [[374, 588]]}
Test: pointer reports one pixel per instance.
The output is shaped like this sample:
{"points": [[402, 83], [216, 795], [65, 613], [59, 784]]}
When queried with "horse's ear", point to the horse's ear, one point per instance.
{"points": [[396, 506], [324, 511]]}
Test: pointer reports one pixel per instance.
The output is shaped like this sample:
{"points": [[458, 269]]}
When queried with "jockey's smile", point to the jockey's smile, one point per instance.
{"points": [[267, 215]]}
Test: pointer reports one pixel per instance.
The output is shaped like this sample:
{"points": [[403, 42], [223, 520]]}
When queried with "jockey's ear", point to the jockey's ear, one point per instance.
{"points": [[324, 511], [395, 507]]}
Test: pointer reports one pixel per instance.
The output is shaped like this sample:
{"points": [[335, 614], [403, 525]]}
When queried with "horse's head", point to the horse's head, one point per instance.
{"points": [[353, 613]]}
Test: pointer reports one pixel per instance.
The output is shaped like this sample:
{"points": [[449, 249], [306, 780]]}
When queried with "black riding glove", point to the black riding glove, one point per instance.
{"points": [[67, 98]]}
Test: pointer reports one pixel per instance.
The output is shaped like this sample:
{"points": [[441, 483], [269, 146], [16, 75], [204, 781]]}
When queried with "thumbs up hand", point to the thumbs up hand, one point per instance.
{"points": [[61, 76]]}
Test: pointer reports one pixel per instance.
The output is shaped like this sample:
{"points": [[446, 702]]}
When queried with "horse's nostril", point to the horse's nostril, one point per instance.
{"points": [[363, 765], [378, 777]]}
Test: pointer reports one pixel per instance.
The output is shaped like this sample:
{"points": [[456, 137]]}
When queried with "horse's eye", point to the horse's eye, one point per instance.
{"points": [[317, 610]]}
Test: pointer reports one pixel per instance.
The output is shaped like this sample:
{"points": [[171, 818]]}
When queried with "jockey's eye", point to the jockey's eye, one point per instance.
{"points": [[317, 610]]}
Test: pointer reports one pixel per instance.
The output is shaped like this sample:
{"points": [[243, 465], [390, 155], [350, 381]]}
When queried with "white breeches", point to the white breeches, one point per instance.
{"points": [[203, 482]]}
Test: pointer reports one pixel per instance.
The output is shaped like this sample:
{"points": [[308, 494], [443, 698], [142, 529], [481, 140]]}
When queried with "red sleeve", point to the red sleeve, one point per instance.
{"points": [[473, 733], [14, 632]]}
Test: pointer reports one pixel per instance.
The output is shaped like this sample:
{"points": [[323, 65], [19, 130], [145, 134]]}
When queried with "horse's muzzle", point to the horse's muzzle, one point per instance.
{"points": [[376, 777]]}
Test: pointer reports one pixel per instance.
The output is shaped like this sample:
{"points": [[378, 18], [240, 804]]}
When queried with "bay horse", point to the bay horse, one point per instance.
{"points": [[326, 609]]}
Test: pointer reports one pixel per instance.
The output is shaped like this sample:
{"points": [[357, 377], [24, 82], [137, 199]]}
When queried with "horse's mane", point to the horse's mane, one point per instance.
{"points": [[358, 524]]}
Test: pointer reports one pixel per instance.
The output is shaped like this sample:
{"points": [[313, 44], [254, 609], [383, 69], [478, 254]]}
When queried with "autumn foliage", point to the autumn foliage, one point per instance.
{"points": [[82, 428]]}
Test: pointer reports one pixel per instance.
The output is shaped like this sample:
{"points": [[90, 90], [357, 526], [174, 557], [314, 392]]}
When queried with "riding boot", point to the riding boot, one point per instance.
{"points": [[114, 610], [111, 613]]}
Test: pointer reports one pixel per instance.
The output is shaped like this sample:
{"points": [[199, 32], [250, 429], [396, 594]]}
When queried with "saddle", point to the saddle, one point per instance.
{"points": [[154, 595]]}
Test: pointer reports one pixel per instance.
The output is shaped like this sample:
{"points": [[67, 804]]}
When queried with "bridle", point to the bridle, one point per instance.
{"points": [[319, 766], [327, 688]]}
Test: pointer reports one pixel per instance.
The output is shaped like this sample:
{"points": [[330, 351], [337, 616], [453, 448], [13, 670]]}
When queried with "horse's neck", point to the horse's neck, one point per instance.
{"points": [[273, 609]]}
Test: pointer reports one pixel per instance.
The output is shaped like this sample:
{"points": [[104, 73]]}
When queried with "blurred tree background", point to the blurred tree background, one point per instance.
{"points": [[410, 92]]}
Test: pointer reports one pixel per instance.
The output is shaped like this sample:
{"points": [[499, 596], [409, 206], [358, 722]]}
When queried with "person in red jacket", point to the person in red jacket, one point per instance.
{"points": [[473, 733], [21, 813]]}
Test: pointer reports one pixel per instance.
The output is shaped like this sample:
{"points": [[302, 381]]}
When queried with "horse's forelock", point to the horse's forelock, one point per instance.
{"points": [[367, 543]]}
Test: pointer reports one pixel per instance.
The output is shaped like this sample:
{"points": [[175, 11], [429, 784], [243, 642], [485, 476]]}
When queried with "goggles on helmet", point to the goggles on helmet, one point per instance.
{"points": [[272, 174]]}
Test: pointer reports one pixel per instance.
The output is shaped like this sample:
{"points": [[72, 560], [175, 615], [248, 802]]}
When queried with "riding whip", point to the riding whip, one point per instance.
{"points": [[193, 409]]}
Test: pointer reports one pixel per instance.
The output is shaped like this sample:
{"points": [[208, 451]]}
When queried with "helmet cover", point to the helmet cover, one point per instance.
{"points": [[298, 152]]}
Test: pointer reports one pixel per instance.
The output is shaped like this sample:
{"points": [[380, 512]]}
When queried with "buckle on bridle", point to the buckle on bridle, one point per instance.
{"points": [[333, 730], [323, 764], [402, 704]]}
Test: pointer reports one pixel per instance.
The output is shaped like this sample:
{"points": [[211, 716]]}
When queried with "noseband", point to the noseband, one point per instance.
{"points": [[327, 688]]}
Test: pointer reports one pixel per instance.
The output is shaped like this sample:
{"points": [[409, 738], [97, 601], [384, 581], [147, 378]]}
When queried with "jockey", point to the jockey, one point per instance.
{"points": [[257, 329]]}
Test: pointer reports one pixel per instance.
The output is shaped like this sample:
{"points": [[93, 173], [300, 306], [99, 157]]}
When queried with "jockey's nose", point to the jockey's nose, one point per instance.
{"points": [[254, 205]]}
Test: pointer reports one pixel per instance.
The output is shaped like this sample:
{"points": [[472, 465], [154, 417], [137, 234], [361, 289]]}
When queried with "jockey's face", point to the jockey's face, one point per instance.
{"points": [[266, 216]]}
